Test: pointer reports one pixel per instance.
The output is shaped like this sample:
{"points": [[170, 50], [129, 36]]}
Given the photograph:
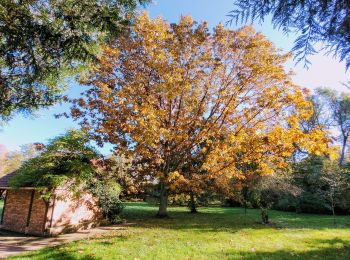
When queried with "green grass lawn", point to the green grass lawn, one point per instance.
{"points": [[214, 233]]}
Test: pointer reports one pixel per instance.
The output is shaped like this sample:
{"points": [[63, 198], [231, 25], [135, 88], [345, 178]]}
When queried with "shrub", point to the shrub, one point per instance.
{"points": [[181, 199], [65, 160], [108, 193], [311, 203], [287, 203]]}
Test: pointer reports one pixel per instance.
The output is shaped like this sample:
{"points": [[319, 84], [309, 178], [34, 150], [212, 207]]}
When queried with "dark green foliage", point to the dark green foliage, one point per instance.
{"points": [[203, 199], [307, 175], [265, 192], [264, 216], [66, 159], [309, 202], [70, 161], [312, 176], [107, 192], [326, 21], [286, 203], [313, 185], [43, 41]]}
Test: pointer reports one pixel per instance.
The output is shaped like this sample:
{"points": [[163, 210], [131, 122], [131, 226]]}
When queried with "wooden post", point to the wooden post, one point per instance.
{"points": [[30, 208], [47, 205], [3, 209], [53, 208]]}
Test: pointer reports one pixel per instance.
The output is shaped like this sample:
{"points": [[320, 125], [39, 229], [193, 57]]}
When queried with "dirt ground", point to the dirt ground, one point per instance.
{"points": [[13, 243]]}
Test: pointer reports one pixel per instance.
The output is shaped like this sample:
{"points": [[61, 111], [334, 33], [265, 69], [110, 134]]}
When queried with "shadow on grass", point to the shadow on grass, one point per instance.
{"points": [[321, 249], [55, 253]]}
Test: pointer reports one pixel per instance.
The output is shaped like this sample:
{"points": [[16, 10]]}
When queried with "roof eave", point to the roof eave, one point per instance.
{"points": [[20, 188]]}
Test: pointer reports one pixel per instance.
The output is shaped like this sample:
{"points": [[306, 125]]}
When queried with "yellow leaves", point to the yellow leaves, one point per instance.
{"points": [[108, 51], [173, 176], [176, 180], [265, 169], [293, 121], [186, 21], [333, 153], [203, 106], [127, 128]]}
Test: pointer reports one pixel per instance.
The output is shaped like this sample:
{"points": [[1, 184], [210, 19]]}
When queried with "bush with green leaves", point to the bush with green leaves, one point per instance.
{"points": [[71, 161], [65, 160], [313, 185], [325, 186], [265, 191], [108, 191]]}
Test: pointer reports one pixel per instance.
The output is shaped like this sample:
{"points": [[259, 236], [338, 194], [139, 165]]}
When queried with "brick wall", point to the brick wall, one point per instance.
{"points": [[64, 213], [38, 216], [16, 214], [16, 210]]}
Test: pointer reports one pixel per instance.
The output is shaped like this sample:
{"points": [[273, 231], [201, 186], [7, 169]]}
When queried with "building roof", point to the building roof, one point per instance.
{"points": [[4, 180]]}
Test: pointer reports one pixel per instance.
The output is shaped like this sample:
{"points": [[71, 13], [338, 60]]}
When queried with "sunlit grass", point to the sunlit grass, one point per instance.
{"points": [[214, 233]]}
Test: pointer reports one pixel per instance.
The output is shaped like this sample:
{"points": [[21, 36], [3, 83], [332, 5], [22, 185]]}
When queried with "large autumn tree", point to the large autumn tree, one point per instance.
{"points": [[190, 104]]}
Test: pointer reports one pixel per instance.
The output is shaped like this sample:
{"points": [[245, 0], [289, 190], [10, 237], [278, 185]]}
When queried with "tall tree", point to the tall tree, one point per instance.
{"points": [[169, 94], [42, 40], [320, 119], [326, 21], [333, 184], [265, 189], [120, 169], [339, 106], [12, 161]]}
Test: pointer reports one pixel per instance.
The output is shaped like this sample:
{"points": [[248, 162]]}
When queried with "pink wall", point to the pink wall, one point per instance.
{"points": [[72, 213]]}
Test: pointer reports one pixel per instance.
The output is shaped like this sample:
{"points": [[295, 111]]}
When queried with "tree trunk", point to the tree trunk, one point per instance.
{"points": [[192, 203], [264, 216], [342, 155], [163, 201], [333, 210]]}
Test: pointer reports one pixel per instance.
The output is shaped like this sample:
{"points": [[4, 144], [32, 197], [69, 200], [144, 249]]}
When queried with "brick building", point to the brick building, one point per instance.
{"points": [[26, 212]]}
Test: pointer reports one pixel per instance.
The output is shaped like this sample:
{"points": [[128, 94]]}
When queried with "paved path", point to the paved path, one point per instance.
{"points": [[12, 244]]}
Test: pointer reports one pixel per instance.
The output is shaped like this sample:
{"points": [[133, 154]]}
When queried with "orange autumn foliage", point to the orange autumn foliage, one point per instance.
{"points": [[192, 106]]}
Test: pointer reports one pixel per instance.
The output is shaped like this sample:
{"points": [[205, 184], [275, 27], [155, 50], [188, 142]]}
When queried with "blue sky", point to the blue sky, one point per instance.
{"points": [[324, 71]]}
